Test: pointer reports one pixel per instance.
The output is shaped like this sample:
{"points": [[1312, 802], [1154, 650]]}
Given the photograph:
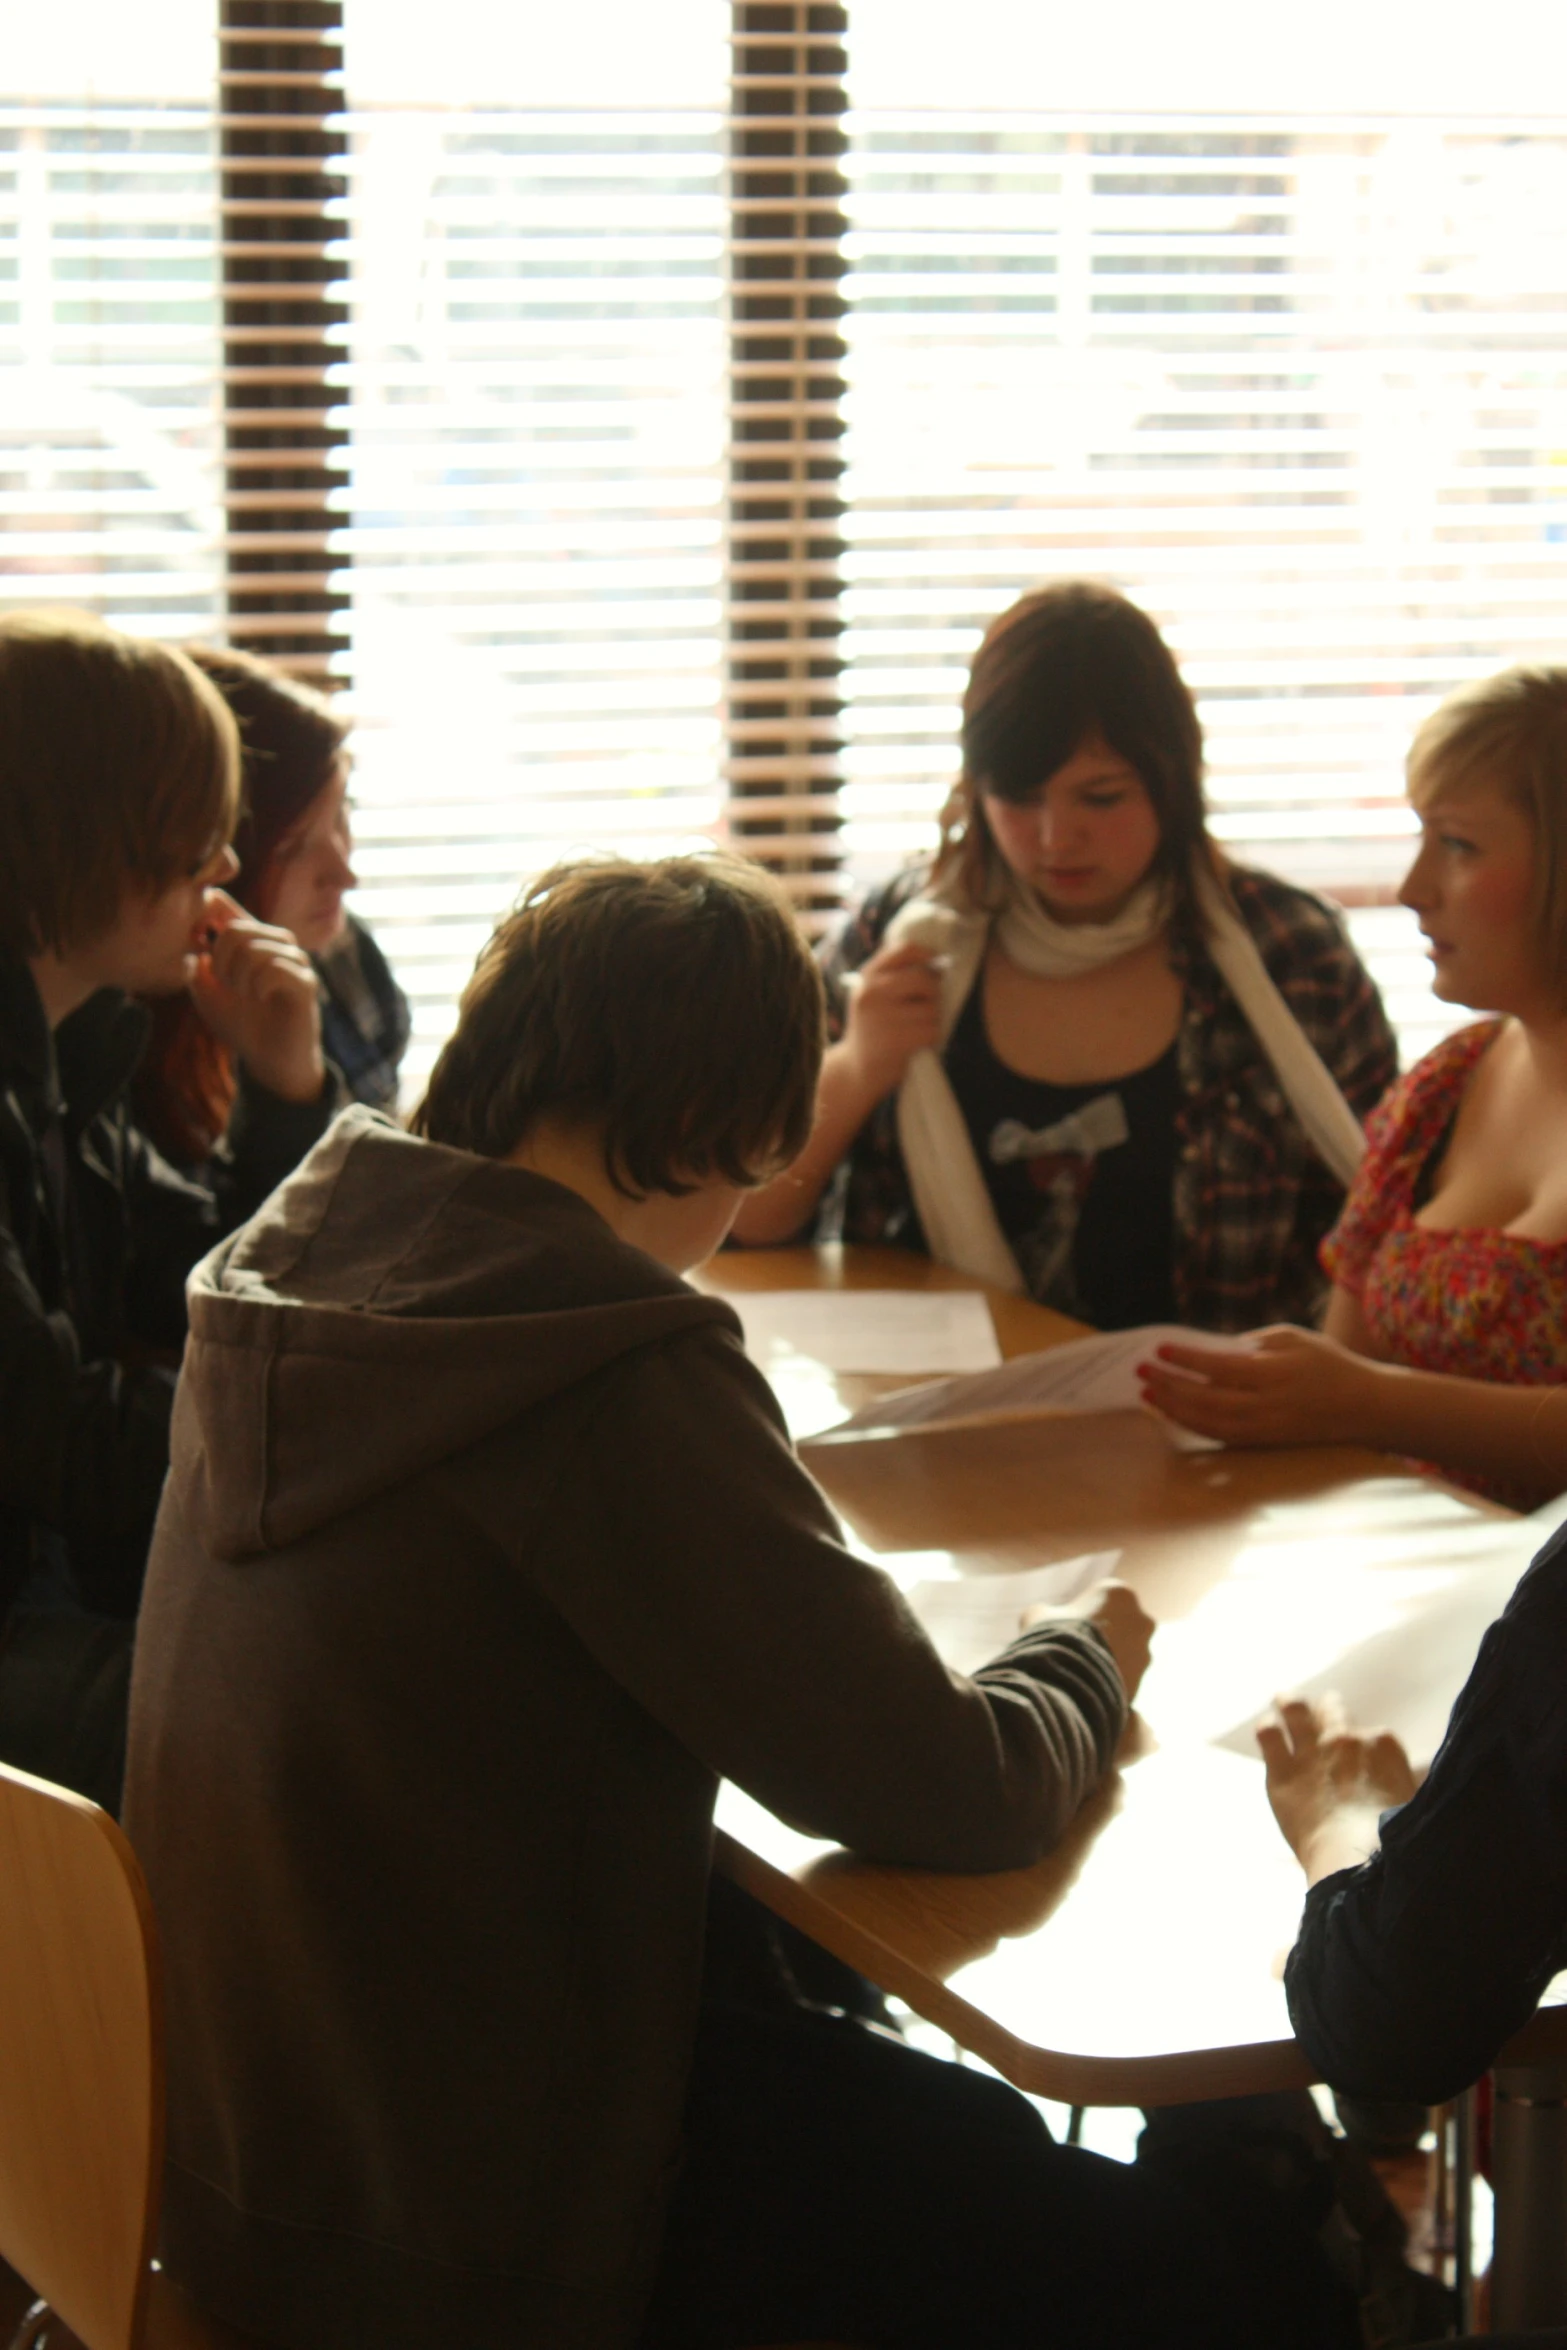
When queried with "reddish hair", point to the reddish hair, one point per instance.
{"points": [[290, 742]]}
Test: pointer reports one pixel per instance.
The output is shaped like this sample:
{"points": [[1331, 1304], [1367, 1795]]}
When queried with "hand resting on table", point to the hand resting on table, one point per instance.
{"points": [[1118, 1614], [1329, 1784]]}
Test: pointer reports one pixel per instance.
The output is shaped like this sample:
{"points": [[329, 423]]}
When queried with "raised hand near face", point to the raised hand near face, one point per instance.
{"points": [[894, 1010], [254, 987]]}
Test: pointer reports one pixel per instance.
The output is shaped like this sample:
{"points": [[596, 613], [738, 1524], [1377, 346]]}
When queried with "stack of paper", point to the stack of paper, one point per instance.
{"points": [[1096, 1374], [972, 1618], [868, 1330]]}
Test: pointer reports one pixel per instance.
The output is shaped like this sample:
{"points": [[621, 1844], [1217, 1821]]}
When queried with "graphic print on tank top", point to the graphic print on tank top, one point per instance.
{"points": [[1081, 1176], [1060, 1161]]}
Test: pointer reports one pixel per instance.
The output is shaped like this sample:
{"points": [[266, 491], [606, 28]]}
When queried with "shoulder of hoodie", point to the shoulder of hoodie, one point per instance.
{"points": [[448, 1232]]}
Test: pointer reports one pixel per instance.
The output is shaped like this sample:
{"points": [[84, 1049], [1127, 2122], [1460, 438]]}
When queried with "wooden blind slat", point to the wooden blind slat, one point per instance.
{"points": [[285, 316], [783, 519]]}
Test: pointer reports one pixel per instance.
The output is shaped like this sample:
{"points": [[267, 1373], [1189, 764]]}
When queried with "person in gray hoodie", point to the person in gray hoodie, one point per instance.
{"points": [[484, 1556]]}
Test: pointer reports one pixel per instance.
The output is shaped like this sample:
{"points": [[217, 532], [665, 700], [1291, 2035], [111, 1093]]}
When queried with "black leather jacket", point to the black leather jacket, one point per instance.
{"points": [[97, 1234]]}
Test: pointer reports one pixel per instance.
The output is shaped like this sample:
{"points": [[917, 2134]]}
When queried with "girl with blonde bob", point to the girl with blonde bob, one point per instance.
{"points": [[1446, 1331]]}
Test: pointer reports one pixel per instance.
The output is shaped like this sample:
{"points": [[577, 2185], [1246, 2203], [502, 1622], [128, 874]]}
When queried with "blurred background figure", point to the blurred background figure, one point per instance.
{"points": [[294, 847]]}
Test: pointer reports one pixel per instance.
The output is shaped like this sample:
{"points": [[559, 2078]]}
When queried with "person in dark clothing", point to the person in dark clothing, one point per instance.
{"points": [[293, 846], [118, 792], [434, 1688], [1436, 1914]]}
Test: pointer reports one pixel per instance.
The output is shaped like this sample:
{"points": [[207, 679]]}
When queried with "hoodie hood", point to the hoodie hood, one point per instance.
{"points": [[391, 1304]]}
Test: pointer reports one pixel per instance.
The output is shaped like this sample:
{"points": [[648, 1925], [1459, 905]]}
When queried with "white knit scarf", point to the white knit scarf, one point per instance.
{"points": [[950, 1194]]}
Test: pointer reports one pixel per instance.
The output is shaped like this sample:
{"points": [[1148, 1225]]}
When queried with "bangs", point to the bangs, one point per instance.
{"points": [[194, 805], [1461, 750], [1011, 748], [119, 772]]}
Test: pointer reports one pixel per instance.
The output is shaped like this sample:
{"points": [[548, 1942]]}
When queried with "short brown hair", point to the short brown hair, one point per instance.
{"points": [[1070, 660], [119, 766], [677, 1004], [1509, 734]]}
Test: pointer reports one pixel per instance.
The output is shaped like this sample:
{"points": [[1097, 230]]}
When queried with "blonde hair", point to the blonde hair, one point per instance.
{"points": [[119, 767], [1509, 734]]}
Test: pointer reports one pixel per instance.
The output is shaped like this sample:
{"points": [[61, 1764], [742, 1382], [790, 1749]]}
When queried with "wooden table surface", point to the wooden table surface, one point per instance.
{"points": [[1141, 1961]]}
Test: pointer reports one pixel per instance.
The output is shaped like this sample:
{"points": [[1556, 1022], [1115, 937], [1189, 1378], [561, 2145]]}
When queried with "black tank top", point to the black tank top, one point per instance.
{"points": [[1082, 1176]]}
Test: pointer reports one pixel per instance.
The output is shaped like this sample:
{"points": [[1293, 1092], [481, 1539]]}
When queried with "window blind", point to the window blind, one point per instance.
{"points": [[782, 575], [534, 396], [649, 439], [1299, 386], [110, 484], [284, 315]]}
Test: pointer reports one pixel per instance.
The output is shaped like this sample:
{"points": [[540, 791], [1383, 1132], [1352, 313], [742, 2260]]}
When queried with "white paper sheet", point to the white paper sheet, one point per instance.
{"points": [[1406, 1677], [868, 1330], [1096, 1374], [972, 1618]]}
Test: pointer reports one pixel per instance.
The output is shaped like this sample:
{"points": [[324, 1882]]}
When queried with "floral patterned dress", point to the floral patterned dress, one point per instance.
{"points": [[1475, 1303]]}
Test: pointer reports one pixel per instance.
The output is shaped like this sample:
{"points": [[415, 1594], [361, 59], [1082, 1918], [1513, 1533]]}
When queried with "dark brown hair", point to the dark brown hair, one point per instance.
{"points": [[676, 1004], [119, 768], [290, 742], [1509, 734], [1068, 661]]}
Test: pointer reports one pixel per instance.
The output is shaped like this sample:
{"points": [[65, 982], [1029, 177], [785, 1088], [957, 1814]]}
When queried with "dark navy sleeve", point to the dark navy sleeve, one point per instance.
{"points": [[1411, 1971]]}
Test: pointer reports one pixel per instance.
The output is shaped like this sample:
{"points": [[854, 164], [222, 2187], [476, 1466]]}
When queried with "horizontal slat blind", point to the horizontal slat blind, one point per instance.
{"points": [[536, 402], [284, 321], [110, 491], [1299, 386], [785, 209]]}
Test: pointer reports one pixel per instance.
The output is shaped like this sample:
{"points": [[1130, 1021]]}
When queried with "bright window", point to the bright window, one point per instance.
{"points": [[110, 395], [1274, 338], [536, 394]]}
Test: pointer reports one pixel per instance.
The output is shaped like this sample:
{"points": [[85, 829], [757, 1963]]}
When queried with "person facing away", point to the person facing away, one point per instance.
{"points": [[1436, 1909], [118, 793], [1446, 1330], [294, 849], [484, 1556], [1078, 1053]]}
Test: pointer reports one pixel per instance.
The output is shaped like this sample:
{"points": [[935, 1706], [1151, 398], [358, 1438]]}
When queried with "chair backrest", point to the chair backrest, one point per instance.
{"points": [[81, 2061]]}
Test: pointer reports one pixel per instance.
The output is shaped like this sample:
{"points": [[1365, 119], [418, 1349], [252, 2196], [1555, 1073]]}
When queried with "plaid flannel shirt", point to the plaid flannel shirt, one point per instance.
{"points": [[364, 1017], [1252, 1199]]}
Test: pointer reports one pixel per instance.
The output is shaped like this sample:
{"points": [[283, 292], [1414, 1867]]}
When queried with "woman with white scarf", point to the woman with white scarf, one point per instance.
{"points": [[1081, 1057]]}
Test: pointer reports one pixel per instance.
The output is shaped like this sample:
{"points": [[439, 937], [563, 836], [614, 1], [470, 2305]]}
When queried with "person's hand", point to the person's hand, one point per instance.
{"points": [[1119, 1615], [1128, 1631], [1328, 1784], [894, 1010], [256, 991], [1283, 1386]]}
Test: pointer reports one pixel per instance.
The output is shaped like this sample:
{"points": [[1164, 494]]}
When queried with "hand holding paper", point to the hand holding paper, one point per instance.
{"points": [[1097, 1374], [1278, 1386]]}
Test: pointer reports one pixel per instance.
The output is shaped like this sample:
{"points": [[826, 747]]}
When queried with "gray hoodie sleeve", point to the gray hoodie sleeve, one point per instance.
{"points": [[698, 1562]]}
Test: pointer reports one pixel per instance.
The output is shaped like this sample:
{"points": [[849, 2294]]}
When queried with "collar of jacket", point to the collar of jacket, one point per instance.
{"points": [[81, 1067]]}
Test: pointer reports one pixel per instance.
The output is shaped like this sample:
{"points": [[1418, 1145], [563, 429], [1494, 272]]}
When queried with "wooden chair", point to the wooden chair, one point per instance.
{"points": [[81, 2082]]}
